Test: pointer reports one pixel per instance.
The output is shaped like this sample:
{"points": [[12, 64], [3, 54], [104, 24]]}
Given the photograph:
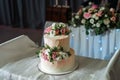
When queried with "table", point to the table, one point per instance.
{"points": [[26, 68], [100, 46]]}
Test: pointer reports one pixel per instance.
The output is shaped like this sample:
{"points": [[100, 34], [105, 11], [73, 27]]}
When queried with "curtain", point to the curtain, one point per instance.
{"points": [[22, 13], [31, 13]]}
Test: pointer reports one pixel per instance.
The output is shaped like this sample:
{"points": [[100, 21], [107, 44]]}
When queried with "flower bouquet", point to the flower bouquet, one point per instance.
{"points": [[57, 29], [53, 54], [98, 19]]}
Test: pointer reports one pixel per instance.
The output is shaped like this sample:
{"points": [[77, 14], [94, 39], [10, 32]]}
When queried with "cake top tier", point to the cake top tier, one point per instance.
{"points": [[57, 29]]}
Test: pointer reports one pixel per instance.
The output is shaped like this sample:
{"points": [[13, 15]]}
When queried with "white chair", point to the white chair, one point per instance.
{"points": [[112, 70]]}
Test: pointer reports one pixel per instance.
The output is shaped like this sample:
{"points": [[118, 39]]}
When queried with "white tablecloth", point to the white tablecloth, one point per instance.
{"points": [[89, 69], [16, 49], [26, 69], [100, 47]]}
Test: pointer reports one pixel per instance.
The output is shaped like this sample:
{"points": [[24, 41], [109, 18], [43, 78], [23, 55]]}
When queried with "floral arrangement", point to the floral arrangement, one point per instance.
{"points": [[57, 29], [96, 19], [53, 54]]}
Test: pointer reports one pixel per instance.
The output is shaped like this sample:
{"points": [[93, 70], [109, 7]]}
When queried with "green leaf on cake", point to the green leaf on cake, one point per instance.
{"points": [[61, 48], [55, 49], [37, 52]]}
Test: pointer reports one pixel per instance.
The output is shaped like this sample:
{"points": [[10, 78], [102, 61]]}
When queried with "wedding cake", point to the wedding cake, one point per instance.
{"points": [[56, 56]]}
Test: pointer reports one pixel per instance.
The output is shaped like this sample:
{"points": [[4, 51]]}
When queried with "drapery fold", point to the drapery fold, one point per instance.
{"points": [[31, 13], [22, 13]]}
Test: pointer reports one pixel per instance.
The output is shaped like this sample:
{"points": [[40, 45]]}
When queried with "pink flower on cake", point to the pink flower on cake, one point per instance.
{"points": [[57, 32], [63, 30], [45, 56], [87, 15], [54, 55], [47, 30]]}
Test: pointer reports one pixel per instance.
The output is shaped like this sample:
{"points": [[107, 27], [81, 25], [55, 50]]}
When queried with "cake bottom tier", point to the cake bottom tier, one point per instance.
{"points": [[58, 66]]}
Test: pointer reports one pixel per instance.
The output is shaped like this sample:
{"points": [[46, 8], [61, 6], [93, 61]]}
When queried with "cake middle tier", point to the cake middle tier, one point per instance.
{"points": [[57, 41]]}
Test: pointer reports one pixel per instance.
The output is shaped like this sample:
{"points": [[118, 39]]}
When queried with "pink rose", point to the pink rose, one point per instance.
{"points": [[113, 18], [80, 11], [99, 14], [47, 30], [54, 55], [112, 10], [57, 32], [87, 15], [45, 56], [63, 31], [94, 6]]}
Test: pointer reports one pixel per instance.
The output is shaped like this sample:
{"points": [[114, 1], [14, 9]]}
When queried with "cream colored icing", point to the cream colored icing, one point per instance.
{"points": [[57, 41], [58, 66]]}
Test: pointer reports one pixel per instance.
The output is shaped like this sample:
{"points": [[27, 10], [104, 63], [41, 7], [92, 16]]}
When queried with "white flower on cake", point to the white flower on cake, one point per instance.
{"points": [[47, 51], [59, 58], [52, 33], [53, 25]]}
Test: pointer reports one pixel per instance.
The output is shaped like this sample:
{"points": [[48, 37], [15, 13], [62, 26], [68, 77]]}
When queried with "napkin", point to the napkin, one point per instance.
{"points": [[16, 49]]}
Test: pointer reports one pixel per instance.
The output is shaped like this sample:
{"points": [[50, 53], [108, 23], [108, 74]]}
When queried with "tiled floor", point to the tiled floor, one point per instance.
{"points": [[7, 33]]}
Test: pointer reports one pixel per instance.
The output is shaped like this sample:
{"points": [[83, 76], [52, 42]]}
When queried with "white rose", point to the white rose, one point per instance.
{"points": [[73, 19], [102, 8], [62, 24], [47, 51], [59, 58], [53, 24], [92, 21], [93, 16], [106, 21], [97, 24], [90, 3], [106, 15], [108, 26], [61, 53], [84, 9], [74, 25], [96, 18], [93, 25], [52, 33], [83, 21], [77, 16]]}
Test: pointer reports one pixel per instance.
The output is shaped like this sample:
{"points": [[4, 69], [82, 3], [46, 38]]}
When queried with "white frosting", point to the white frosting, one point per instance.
{"points": [[58, 66], [57, 41]]}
